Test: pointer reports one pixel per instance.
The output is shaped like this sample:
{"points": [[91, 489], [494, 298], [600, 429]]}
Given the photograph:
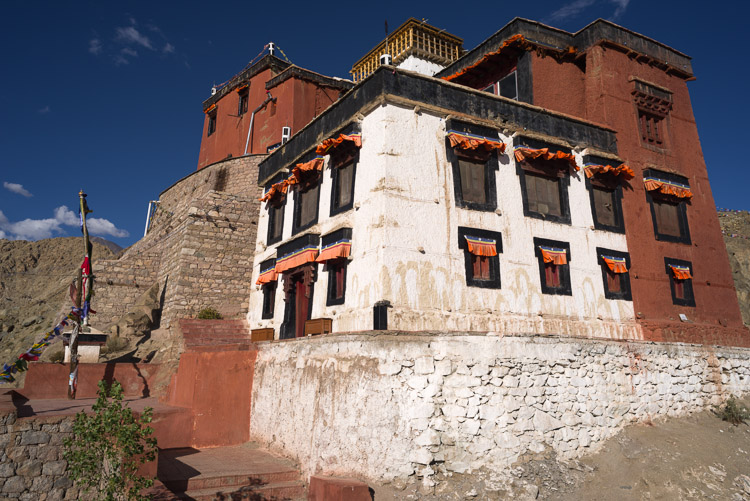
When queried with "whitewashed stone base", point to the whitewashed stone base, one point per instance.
{"points": [[387, 406]]}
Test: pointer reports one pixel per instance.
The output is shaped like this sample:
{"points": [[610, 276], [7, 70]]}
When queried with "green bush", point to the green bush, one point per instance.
{"points": [[209, 314], [108, 446], [732, 412], [115, 344]]}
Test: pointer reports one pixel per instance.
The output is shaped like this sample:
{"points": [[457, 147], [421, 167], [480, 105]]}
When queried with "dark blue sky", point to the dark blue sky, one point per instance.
{"points": [[106, 96]]}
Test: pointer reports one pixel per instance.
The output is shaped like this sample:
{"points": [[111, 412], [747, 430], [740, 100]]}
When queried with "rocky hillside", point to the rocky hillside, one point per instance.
{"points": [[34, 281], [736, 228]]}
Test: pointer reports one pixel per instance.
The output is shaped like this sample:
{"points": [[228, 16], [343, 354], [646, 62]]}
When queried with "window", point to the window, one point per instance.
{"points": [[343, 169], [680, 281], [544, 183], [336, 281], [307, 197], [211, 123], [269, 299], [605, 193], [543, 195], [275, 223], [335, 251], [554, 267], [651, 128], [615, 267], [506, 86], [668, 195], [244, 95], [474, 170], [275, 207], [482, 263], [653, 105]]}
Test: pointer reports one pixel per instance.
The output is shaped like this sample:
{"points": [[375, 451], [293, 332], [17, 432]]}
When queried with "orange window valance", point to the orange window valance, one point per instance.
{"points": [[210, 108], [522, 153], [276, 190], [481, 246], [296, 258], [268, 275], [331, 143], [616, 264], [242, 87], [554, 255], [681, 272], [673, 188], [466, 141], [316, 164], [336, 250], [621, 170]]}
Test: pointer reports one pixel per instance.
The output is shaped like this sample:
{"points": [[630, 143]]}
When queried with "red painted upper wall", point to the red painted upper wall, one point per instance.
{"points": [[595, 82], [298, 96]]}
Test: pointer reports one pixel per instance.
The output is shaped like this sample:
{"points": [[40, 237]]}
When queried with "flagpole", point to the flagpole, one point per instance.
{"points": [[83, 298]]}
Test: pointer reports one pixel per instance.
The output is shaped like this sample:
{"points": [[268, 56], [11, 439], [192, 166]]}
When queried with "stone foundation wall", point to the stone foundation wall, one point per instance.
{"points": [[386, 406], [31, 458], [198, 247]]}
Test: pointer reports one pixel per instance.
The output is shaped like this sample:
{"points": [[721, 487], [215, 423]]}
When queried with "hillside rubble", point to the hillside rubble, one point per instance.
{"points": [[735, 225]]}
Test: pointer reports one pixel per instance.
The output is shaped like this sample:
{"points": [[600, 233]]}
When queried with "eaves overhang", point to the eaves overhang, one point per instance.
{"points": [[598, 32], [268, 61], [389, 85]]}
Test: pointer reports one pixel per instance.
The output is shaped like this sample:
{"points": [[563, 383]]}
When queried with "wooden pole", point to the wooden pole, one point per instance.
{"points": [[82, 301]]}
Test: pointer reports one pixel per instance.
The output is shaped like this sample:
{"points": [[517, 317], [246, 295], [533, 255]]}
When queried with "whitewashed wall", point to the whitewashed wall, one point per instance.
{"points": [[405, 245], [403, 406]]}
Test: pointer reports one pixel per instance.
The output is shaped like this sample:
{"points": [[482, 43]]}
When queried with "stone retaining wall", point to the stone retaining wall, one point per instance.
{"points": [[199, 247], [31, 458], [388, 406]]}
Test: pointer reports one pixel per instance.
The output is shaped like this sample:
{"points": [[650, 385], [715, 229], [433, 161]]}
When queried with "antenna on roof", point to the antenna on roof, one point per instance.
{"points": [[386, 57]]}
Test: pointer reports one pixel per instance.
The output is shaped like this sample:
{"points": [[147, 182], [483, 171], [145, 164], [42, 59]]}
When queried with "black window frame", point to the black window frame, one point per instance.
{"points": [[491, 165], [298, 192], [495, 277], [607, 183], [331, 266], [563, 182], [684, 237], [689, 299], [565, 288], [244, 98], [335, 163], [275, 211], [625, 293], [269, 291], [211, 127]]}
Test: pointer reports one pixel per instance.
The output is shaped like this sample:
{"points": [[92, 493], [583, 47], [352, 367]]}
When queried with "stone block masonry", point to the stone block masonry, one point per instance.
{"points": [[196, 248], [405, 406], [31, 458]]}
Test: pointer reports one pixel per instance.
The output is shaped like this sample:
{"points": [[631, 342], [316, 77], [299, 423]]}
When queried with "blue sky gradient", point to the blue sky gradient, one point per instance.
{"points": [[106, 96]]}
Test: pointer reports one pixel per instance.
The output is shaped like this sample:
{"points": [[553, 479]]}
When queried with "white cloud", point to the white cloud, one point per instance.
{"points": [[576, 7], [131, 35], [621, 6], [129, 52], [119, 60], [95, 46], [44, 111], [35, 229], [16, 188], [168, 48]]}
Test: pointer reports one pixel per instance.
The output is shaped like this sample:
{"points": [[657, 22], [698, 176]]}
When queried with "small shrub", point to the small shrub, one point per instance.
{"points": [[57, 357], [115, 344], [209, 314], [732, 412], [108, 446]]}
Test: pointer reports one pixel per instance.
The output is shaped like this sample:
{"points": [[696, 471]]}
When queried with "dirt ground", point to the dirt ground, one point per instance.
{"points": [[696, 457]]}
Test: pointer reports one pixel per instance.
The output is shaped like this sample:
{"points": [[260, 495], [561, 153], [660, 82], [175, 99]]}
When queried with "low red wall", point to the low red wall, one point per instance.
{"points": [[217, 386], [47, 380]]}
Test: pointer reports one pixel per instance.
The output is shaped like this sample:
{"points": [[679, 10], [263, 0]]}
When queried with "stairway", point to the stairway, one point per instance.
{"points": [[198, 333], [236, 472]]}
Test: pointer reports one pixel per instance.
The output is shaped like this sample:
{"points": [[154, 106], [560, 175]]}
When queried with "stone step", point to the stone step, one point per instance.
{"points": [[218, 481], [292, 490]]}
